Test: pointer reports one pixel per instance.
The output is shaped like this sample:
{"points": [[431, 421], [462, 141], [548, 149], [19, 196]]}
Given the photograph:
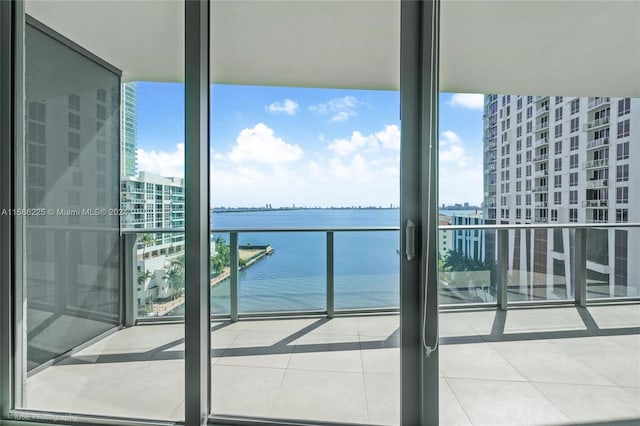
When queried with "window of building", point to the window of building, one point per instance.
{"points": [[558, 130], [573, 215], [519, 117], [518, 158], [74, 140], [624, 106], [529, 140], [622, 151], [529, 155], [527, 214], [518, 214], [519, 103], [529, 112], [529, 126], [101, 112], [518, 199], [573, 179], [573, 161], [557, 197], [102, 95], [623, 129], [622, 173], [72, 157], [519, 131], [528, 170], [74, 121], [518, 185], [575, 124], [575, 106], [518, 172], [573, 143], [558, 147], [573, 197], [554, 215], [527, 199], [622, 215], [622, 195], [557, 164], [558, 113], [558, 99], [557, 181], [74, 102]]}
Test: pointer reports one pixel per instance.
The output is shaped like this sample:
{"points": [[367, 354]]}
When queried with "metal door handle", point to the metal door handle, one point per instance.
{"points": [[410, 240]]}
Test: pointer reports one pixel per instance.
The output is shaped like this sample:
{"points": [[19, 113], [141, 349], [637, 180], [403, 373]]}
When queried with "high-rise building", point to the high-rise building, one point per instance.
{"points": [[154, 201], [554, 159], [128, 156]]}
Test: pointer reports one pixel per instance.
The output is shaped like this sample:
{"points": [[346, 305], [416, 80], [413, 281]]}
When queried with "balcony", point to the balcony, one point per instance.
{"points": [[541, 126], [269, 366], [540, 173], [595, 203], [595, 124], [595, 143], [595, 103], [542, 110], [540, 157], [596, 164], [540, 188], [598, 183], [540, 204], [542, 141], [490, 145]]}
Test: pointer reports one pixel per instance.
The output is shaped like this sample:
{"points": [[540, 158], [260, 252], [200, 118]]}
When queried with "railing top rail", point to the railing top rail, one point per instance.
{"points": [[390, 228], [255, 230], [506, 226]]}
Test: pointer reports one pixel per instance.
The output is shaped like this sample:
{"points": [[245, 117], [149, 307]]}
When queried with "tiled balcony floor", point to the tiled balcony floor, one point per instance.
{"points": [[556, 365]]}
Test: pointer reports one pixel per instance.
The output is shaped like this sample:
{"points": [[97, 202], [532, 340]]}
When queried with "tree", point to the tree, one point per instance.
{"points": [[143, 277], [175, 274], [146, 240], [222, 256]]}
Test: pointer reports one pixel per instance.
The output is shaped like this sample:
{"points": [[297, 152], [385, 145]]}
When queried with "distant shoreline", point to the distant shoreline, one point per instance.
{"points": [[264, 209]]}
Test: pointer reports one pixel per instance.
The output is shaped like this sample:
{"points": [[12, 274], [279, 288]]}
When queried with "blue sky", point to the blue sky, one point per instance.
{"points": [[313, 147]]}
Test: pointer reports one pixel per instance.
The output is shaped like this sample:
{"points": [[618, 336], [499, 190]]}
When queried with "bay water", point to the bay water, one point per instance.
{"points": [[293, 278]]}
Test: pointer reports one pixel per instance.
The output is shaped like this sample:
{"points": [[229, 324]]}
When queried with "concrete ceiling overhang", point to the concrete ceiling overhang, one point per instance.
{"points": [[567, 47]]}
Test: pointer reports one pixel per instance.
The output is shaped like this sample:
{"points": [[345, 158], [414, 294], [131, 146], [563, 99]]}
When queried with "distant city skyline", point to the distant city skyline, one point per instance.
{"points": [[317, 147]]}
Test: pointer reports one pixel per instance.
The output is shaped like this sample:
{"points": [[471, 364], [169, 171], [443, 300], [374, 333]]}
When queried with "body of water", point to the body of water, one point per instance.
{"points": [[293, 278]]}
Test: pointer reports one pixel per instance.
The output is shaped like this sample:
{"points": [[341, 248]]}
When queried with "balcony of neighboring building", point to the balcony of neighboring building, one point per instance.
{"points": [[596, 164], [598, 102], [597, 123], [596, 143]]}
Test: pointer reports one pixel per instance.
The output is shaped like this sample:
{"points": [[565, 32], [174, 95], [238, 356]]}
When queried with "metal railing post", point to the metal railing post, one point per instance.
{"points": [[233, 285], [330, 277], [579, 266], [502, 267], [130, 279]]}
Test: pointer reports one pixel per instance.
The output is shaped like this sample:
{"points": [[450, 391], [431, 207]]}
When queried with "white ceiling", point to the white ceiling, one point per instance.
{"points": [[563, 47]]}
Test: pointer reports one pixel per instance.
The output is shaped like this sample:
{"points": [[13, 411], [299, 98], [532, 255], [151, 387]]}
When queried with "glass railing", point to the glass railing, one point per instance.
{"points": [[328, 271], [542, 263]]}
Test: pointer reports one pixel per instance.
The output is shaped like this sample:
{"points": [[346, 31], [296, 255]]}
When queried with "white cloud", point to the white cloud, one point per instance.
{"points": [[287, 106], [260, 145], [460, 174], [162, 163], [355, 171], [390, 137], [468, 100], [341, 109], [345, 147]]}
